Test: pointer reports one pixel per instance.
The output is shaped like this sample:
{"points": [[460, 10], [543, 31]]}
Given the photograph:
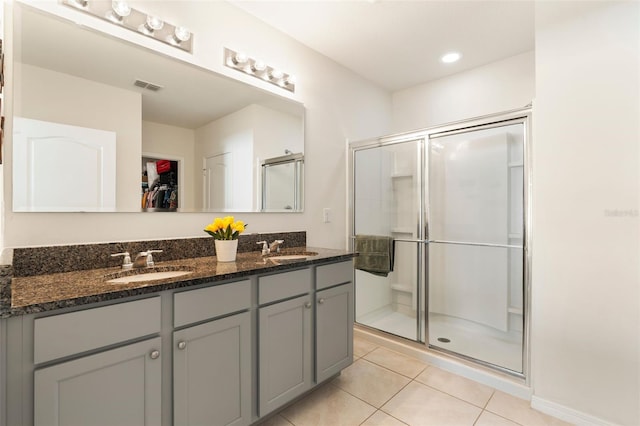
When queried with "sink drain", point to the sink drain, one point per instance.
{"points": [[443, 340]]}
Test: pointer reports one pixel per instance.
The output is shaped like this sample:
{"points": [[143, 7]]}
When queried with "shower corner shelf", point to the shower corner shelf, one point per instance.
{"points": [[406, 288], [402, 174], [402, 231]]}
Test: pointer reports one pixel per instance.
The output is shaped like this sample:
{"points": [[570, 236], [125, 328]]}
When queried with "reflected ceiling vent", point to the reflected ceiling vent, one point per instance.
{"points": [[147, 85]]}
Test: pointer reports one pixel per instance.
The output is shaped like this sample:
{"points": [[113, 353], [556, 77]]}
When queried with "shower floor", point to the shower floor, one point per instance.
{"points": [[477, 341], [390, 321], [467, 338]]}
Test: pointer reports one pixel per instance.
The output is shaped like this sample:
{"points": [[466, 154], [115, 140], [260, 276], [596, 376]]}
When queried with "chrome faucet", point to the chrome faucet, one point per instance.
{"points": [[275, 246], [126, 261], [265, 247], [144, 259]]}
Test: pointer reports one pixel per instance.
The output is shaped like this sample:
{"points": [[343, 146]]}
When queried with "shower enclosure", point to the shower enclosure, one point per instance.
{"points": [[454, 200]]}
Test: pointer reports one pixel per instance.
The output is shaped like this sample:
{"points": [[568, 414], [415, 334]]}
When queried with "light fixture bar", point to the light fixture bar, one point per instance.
{"points": [[256, 68], [121, 14]]}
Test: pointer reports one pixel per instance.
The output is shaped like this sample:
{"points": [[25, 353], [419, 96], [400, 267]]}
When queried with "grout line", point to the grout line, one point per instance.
{"points": [[478, 418], [367, 402], [426, 364], [394, 371], [502, 417], [365, 420], [457, 397], [385, 413], [489, 400]]}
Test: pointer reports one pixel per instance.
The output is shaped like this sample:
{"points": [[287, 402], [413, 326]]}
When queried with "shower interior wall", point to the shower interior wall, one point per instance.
{"points": [[387, 207]]}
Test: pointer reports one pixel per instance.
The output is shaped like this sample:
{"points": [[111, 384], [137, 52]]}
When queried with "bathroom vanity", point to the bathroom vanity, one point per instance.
{"points": [[225, 344]]}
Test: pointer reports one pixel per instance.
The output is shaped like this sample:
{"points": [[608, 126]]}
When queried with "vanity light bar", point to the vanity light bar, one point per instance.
{"points": [[241, 62], [120, 13]]}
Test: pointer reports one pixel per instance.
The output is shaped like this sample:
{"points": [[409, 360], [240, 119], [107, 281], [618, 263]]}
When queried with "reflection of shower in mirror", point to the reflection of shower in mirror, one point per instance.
{"points": [[282, 182]]}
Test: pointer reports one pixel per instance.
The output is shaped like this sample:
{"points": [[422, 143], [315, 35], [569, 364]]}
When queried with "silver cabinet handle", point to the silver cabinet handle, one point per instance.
{"points": [[307, 305], [320, 301], [155, 354], [182, 344]]}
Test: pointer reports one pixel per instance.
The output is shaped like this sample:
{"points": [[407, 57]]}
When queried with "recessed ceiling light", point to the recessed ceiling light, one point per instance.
{"points": [[450, 57]]}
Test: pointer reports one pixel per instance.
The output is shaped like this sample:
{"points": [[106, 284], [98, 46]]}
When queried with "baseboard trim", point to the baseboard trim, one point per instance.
{"points": [[567, 414]]}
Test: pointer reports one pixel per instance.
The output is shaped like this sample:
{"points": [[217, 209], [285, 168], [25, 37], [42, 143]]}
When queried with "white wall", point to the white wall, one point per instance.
{"points": [[499, 86], [275, 131], [339, 105], [233, 135], [586, 221], [46, 95], [175, 142]]}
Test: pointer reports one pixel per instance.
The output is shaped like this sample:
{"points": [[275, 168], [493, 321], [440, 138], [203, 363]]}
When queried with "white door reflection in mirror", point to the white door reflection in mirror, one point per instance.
{"points": [[68, 168], [218, 184]]}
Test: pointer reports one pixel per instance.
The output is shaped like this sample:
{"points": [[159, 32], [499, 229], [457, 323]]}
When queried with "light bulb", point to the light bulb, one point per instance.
{"points": [[121, 8], [276, 74], [80, 4], [181, 34], [291, 80], [154, 23], [258, 66], [240, 58]]}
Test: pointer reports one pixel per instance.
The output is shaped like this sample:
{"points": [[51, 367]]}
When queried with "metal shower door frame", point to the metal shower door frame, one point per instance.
{"points": [[378, 143], [524, 116], [520, 116]]}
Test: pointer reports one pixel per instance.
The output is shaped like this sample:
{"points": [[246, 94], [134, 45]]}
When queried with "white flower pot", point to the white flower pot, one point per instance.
{"points": [[226, 250]]}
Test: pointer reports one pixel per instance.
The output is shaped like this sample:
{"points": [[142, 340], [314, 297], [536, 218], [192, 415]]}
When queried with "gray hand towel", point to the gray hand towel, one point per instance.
{"points": [[375, 254]]}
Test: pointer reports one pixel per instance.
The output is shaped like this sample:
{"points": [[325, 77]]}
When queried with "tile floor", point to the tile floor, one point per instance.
{"points": [[385, 388]]}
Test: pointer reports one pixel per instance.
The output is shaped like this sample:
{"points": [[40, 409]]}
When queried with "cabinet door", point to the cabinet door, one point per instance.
{"points": [[212, 373], [117, 387], [285, 352], [334, 330]]}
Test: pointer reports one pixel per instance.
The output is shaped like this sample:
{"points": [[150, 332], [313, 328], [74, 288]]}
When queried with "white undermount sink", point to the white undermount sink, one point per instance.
{"points": [[150, 276], [291, 257], [284, 257]]}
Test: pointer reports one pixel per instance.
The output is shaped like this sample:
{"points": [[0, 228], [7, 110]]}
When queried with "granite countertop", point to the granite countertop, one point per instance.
{"points": [[48, 292]]}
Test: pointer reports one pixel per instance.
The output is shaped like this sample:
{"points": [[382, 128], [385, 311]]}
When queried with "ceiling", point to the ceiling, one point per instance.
{"points": [[397, 44]]}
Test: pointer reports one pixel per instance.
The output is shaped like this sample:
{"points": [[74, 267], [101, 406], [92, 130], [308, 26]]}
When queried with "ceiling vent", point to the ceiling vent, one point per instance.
{"points": [[147, 85]]}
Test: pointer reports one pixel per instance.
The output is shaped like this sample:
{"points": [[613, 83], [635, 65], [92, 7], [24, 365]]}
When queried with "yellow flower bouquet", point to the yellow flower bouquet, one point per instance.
{"points": [[226, 228]]}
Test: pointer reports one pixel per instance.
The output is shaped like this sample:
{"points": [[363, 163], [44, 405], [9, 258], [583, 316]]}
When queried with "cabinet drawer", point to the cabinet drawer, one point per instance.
{"points": [[68, 334], [334, 274], [205, 303], [281, 286]]}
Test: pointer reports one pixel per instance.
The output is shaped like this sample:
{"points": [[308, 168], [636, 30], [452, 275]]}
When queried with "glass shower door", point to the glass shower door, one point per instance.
{"points": [[387, 199], [475, 256]]}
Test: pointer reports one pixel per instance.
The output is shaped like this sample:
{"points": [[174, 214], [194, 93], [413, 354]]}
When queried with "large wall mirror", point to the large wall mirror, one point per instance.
{"points": [[98, 121]]}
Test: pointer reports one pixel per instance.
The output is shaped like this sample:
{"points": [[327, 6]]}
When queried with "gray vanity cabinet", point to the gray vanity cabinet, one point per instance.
{"points": [[100, 384], [212, 373], [212, 360], [217, 354], [334, 319], [285, 352], [120, 386], [285, 335], [334, 330]]}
